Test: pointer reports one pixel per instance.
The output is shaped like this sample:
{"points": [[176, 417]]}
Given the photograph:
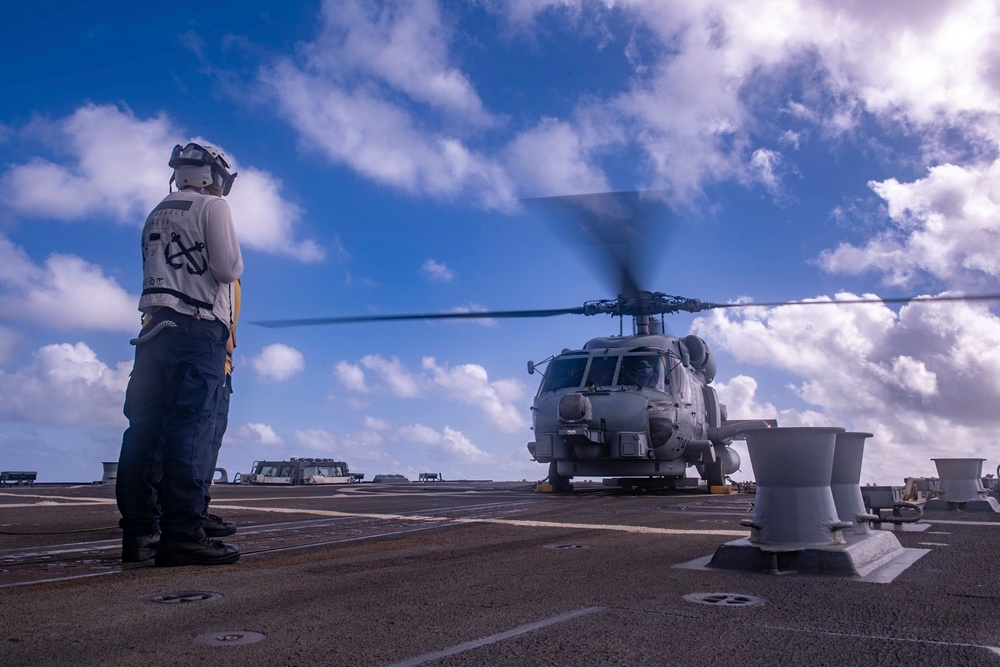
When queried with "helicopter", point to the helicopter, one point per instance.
{"points": [[637, 409]]}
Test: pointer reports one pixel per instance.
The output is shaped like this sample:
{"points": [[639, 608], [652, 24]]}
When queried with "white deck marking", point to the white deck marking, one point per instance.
{"points": [[647, 530], [499, 637]]}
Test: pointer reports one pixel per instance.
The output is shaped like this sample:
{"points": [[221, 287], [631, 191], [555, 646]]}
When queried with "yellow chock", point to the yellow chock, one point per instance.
{"points": [[724, 490], [542, 487]]}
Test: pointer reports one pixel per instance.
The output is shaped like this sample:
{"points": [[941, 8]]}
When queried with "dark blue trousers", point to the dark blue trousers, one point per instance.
{"points": [[171, 402], [221, 424]]}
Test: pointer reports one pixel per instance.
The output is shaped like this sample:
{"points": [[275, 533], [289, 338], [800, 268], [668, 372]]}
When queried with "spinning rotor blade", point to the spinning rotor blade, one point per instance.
{"points": [[645, 303], [849, 302], [619, 227], [278, 324]]}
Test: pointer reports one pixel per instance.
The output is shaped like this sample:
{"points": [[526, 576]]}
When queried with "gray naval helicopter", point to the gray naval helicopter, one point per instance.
{"points": [[637, 409]]}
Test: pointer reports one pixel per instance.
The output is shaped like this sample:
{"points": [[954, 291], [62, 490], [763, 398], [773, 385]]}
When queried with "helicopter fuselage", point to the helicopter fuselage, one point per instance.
{"points": [[632, 406]]}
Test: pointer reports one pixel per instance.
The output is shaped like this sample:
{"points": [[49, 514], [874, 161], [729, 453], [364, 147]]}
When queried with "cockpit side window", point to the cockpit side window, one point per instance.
{"points": [[646, 370], [602, 371], [564, 373], [679, 382]]}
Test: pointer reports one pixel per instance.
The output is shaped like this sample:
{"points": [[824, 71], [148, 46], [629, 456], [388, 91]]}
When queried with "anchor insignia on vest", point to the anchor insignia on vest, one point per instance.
{"points": [[193, 266]]}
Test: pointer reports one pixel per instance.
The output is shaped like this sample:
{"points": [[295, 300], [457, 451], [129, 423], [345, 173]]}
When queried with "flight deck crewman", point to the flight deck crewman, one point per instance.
{"points": [[190, 259]]}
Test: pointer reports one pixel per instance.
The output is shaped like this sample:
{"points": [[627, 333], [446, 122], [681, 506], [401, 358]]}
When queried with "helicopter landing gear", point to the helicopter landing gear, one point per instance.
{"points": [[560, 483], [715, 475]]}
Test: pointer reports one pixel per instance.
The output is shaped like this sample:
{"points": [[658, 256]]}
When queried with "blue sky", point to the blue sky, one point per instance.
{"points": [[810, 149]]}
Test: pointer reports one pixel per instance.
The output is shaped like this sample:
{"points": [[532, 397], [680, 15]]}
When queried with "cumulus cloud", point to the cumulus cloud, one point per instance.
{"points": [[360, 92], [945, 225], [924, 381], [255, 433], [500, 401], [65, 293], [351, 376], [402, 44], [278, 362], [65, 385], [394, 376], [381, 90], [8, 340], [380, 140], [266, 221], [362, 449], [470, 384], [437, 272], [448, 444], [555, 158], [93, 179]]}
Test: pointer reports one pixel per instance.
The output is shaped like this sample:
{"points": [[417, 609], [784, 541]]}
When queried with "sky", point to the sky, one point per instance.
{"points": [[810, 150]]}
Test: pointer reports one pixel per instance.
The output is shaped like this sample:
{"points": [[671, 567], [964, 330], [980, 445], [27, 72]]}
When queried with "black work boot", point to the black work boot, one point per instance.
{"points": [[215, 526], [137, 548], [202, 552]]}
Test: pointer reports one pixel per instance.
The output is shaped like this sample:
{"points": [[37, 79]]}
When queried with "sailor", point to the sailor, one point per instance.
{"points": [[190, 259]]}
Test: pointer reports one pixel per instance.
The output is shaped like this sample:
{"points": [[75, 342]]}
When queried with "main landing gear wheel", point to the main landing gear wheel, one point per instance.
{"points": [[714, 474], [559, 482]]}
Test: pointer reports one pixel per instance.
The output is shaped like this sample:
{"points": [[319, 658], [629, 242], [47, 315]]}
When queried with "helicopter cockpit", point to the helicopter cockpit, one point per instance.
{"points": [[581, 369]]}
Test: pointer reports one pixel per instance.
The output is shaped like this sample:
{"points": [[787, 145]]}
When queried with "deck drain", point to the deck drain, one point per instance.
{"points": [[229, 638], [725, 599], [181, 597], [566, 546]]}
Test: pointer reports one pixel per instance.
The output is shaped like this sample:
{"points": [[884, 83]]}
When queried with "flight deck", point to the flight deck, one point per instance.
{"points": [[479, 573]]}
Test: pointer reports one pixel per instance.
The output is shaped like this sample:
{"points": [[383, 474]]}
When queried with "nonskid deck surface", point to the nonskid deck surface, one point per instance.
{"points": [[476, 574]]}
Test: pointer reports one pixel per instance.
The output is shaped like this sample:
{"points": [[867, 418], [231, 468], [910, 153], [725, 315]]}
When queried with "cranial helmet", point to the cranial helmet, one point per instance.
{"points": [[201, 166]]}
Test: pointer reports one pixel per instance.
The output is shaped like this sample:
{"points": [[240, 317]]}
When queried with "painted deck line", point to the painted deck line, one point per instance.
{"points": [[499, 637], [948, 522], [647, 530]]}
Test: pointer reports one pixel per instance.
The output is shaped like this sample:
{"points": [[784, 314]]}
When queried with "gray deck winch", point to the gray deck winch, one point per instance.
{"points": [[809, 516], [960, 487]]}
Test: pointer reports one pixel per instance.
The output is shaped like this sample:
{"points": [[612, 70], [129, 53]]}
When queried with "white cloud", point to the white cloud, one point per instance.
{"points": [[376, 424], [278, 362], [706, 78], [402, 44], [351, 376], [381, 140], [500, 401], [318, 439], [419, 433], [925, 381], [437, 272], [255, 433], [381, 90], [99, 179], [946, 224], [65, 385], [449, 444], [554, 158], [469, 384], [8, 341], [394, 375], [66, 293], [265, 221]]}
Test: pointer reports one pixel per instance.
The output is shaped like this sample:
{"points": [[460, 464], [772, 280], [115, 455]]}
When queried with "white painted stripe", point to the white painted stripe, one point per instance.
{"points": [[50, 500], [995, 524], [645, 530], [499, 637]]}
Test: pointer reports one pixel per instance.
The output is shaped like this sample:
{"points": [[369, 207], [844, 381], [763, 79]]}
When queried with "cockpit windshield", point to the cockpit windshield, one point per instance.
{"points": [[564, 373], [645, 370], [636, 370]]}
